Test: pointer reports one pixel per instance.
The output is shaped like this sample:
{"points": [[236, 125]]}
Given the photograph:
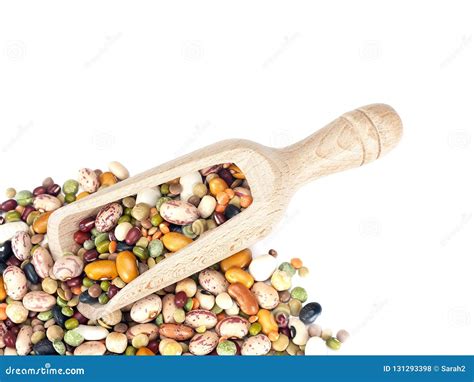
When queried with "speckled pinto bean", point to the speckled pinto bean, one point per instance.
{"points": [[213, 281], [247, 301], [233, 327], [15, 282], [202, 344], [108, 217], [21, 245], [201, 318], [38, 301], [42, 261]]}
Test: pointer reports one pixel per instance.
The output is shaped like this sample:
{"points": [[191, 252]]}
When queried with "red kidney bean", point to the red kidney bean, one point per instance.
{"points": [[10, 339], [80, 237], [39, 191], [113, 290], [9, 205], [225, 174], [54, 189], [12, 260], [87, 224], [76, 281], [153, 346], [91, 255], [82, 320], [219, 218], [133, 236], [28, 210], [180, 299]]}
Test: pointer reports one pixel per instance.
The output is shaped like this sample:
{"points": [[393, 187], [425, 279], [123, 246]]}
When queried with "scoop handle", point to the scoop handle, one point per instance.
{"points": [[352, 140]]}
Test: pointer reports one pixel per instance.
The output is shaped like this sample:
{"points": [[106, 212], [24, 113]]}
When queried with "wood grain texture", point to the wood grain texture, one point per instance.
{"points": [[352, 140]]}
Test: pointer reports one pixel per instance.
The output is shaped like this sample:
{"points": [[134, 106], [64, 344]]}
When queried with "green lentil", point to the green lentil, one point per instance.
{"points": [[155, 248], [100, 238], [142, 242], [37, 337], [61, 302], [67, 311], [87, 282], [103, 299], [156, 220], [12, 216], [216, 309], [95, 232], [128, 211], [333, 343], [189, 305], [288, 268], [130, 350], [165, 189], [255, 329], [124, 218], [71, 323], [24, 198], [227, 348], [299, 293], [159, 320], [88, 244], [103, 247], [69, 198], [179, 315], [161, 201], [59, 347], [73, 338], [45, 316], [141, 253], [105, 285], [71, 186]]}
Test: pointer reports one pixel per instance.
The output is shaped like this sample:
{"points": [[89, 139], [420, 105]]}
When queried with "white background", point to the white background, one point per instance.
{"points": [[389, 245]]}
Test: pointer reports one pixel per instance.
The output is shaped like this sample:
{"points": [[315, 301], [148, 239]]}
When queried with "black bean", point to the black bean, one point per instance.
{"points": [[44, 347], [123, 246], [231, 211], [86, 298], [310, 312], [6, 250], [58, 316], [31, 274], [3, 266], [225, 174], [175, 228]]}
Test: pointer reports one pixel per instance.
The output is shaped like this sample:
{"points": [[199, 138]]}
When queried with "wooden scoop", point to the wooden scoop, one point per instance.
{"points": [[352, 140]]}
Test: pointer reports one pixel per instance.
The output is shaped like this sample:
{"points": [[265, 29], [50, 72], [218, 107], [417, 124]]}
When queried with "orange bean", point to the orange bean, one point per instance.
{"points": [[127, 268], [219, 208], [230, 192], [195, 303], [40, 224], [3, 314], [221, 316], [3, 292], [217, 185], [112, 246], [296, 262], [144, 351], [240, 259], [82, 195], [247, 301], [164, 228], [266, 319], [238, 275], [107, 179], [76, 290], [101, 270], [222, 198]]}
